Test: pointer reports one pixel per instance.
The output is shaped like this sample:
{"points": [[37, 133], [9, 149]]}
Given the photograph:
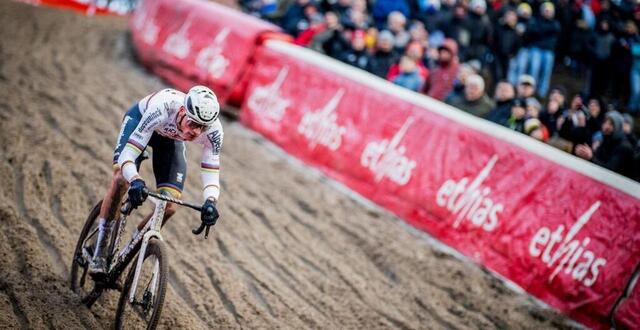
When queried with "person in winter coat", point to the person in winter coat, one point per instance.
{"points": [[544, 36], [504, 96], [408, 75], [475, 101], [357, 55], [480, 31], [615, 152], [382, 9], [554, 109], [415, 52], [506, 44], [599, 45], [457, 27], [572, 123], [385, 55], [440, 81], [518, 116]]}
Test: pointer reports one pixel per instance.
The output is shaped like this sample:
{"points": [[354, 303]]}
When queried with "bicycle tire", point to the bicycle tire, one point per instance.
{"points": [[154, 248], [88, 224]]}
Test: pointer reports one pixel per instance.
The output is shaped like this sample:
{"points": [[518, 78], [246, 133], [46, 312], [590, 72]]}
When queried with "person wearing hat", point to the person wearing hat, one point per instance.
{"points": [[535, 129], [480, 29], [526, 86], [615, 152], [519, 65], [441, 80], [543, 35], [385, 55], [518, 115]]}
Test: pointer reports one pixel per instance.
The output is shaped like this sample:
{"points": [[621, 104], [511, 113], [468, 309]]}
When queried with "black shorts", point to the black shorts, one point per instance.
{"points": [[169, 156]]}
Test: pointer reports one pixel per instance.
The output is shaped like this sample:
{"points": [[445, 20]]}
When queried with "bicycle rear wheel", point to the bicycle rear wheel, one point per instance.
{"points": [[145, 310]]}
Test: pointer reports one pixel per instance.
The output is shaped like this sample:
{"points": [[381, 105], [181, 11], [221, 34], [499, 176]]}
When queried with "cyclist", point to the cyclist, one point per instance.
{"points": [[163, 120]]}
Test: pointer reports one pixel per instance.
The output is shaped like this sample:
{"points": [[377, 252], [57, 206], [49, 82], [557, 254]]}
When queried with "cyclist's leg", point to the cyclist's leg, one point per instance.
{"points": [[115, 192], [169, 169]]}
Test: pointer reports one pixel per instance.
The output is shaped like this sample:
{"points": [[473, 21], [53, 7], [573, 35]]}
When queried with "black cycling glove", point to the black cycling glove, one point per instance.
{"points": [[209, 214], [137, 195]]}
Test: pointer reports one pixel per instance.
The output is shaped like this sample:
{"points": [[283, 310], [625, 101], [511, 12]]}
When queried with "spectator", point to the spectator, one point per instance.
{"points": [[555, 107], [504, 96], [622, 60], [396, 23], [385, 55], [517, 118], [475, 100], [464, 71], [415, 53], [543, 36], [535, 129], [331, 40], [419, 34], [596, 115], [600, 45], [533, 107], [357, 55], [526, 86], [382, 9], [440, 82], [408, 75], [458, 28], [306, 37], [572, 124], [300, 16], [521, 63], [507, 43], [627, 128], [480, 31], [615, 152]]}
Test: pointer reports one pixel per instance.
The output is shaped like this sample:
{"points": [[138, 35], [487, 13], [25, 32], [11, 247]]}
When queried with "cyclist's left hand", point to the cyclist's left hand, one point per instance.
{"points": [[209, 214]]}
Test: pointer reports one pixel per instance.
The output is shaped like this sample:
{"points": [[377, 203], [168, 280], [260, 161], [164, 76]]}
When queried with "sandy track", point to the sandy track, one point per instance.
{"points": [[289, 252]]}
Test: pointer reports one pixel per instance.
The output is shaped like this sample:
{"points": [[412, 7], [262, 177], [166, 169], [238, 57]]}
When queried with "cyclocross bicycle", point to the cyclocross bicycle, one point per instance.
{"points": [[143, 292]]}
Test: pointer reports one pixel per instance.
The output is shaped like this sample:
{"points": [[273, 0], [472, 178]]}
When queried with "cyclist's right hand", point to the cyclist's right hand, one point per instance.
{"points": [[137, 193]]}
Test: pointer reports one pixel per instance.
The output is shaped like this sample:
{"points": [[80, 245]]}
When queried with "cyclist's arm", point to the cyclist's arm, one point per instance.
{"points": [[210, 165], [138, 141]]}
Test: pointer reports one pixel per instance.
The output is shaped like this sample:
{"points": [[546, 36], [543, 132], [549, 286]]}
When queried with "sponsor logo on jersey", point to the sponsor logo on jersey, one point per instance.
{"points": [[470, 201], [560, 250], [267, 101], [386, 158], [216, 141], [151, 120], [178, 44], [121, 134], [320, 127], [211, 59]]}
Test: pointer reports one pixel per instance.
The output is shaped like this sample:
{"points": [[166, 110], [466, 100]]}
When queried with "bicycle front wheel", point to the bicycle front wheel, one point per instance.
{"points": [[145, 309]]}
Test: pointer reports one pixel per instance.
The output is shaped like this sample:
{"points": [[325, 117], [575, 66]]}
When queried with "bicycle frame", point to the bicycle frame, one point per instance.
{"points": [[150, 230]]}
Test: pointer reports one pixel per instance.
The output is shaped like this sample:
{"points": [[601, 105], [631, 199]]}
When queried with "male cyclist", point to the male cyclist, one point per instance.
{"points": [[163, 121]]}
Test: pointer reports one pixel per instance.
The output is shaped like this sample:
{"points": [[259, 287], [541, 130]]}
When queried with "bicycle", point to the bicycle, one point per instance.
{"points": [[147, 244]]}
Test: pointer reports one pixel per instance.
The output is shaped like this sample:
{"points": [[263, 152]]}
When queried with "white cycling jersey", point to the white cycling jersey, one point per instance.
{"points": [[159, 111]]}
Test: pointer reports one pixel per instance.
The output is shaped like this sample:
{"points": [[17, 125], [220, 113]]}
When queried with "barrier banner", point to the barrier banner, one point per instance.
{"points": [[563, 229], [196, 42], [86, 7]]}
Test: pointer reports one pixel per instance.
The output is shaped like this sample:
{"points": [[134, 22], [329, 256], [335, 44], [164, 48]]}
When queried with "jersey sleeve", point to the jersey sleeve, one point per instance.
{"points": [[154, 115], [210, 165]]}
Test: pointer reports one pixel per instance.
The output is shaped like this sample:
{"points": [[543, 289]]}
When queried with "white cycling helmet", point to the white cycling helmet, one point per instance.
{"points": [[202, 105]]}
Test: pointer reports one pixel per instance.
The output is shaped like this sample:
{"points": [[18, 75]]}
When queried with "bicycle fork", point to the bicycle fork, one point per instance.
{"points": [[153, 232]]}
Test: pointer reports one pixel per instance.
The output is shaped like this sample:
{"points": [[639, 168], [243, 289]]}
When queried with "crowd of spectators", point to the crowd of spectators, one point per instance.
{"points": [[457, 51]]}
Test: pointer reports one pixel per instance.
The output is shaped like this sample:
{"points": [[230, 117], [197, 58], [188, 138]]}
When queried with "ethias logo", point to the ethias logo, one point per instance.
{"points": [[470, 201]]}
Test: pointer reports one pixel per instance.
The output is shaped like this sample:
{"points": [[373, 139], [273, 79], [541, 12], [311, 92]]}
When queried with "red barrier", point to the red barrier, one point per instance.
{"points": [[79, 6], [563, 229], [196, 42]]}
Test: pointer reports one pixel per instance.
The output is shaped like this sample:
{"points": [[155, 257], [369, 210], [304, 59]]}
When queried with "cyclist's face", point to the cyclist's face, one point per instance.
{"points": [[189, 129]]}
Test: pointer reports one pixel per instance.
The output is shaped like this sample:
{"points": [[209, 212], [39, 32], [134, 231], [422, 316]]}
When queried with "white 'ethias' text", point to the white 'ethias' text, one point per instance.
{"points": [[320, 126], [469, 200]]}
